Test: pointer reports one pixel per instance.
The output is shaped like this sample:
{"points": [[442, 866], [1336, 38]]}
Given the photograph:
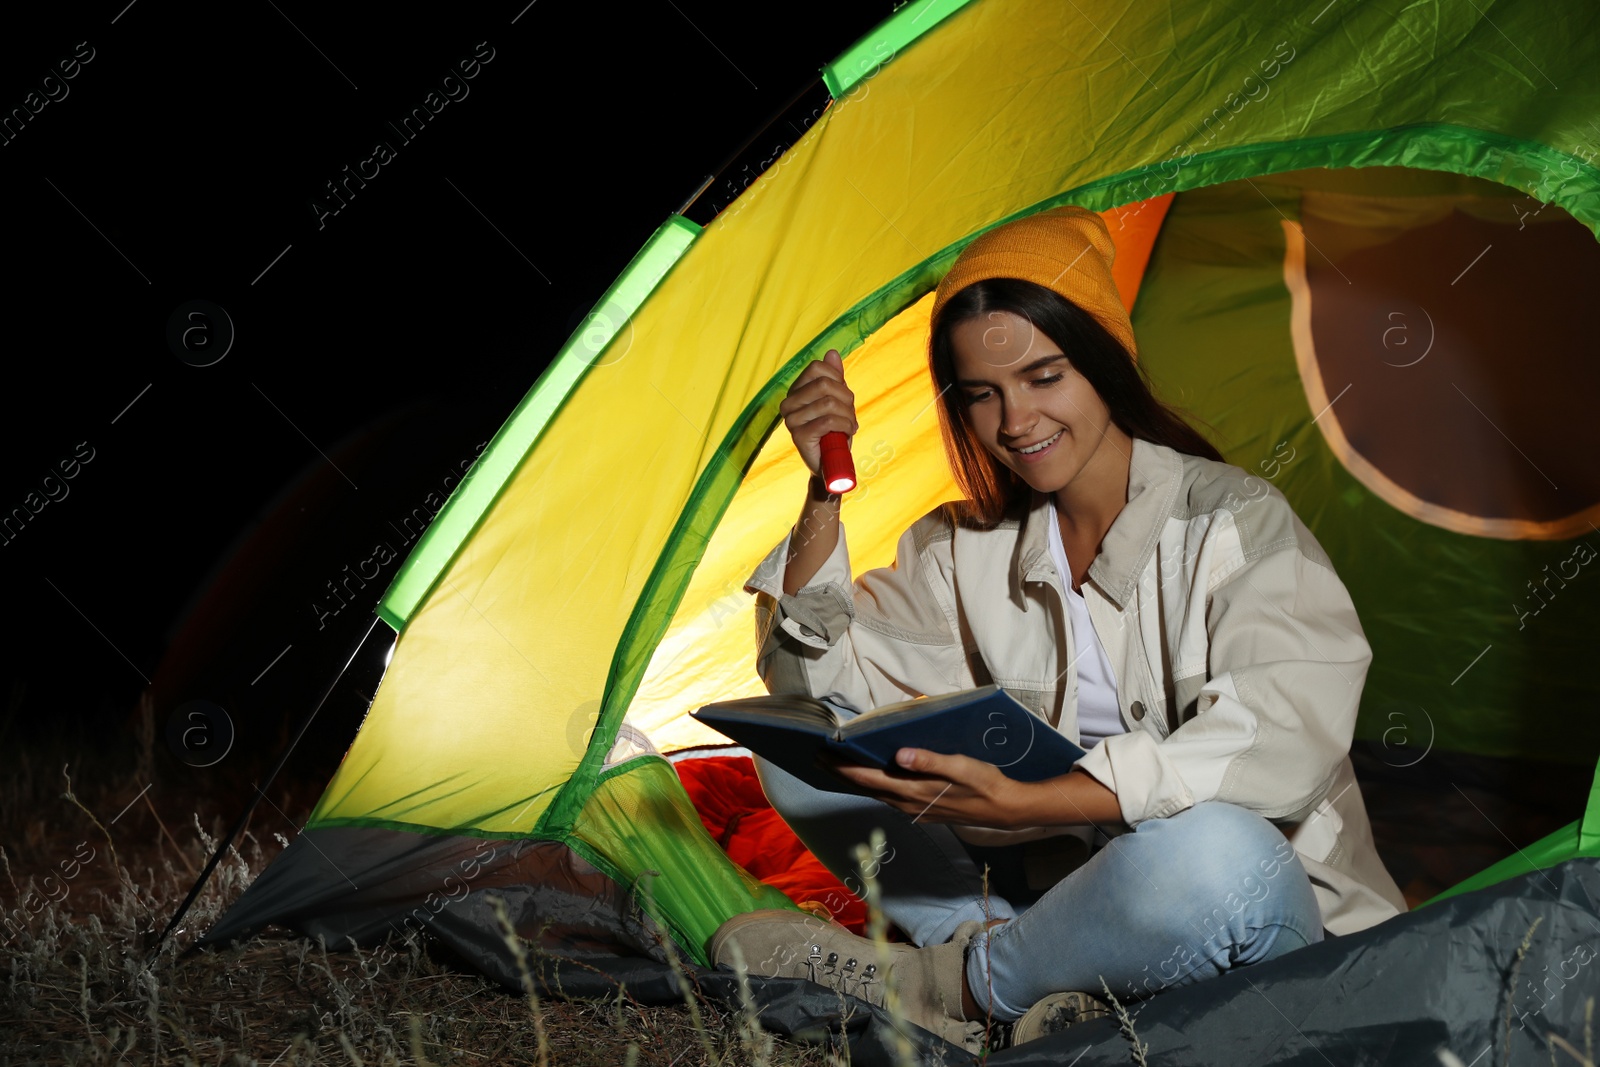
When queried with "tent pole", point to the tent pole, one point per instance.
{"points": [[238, 825], [742, 149]]}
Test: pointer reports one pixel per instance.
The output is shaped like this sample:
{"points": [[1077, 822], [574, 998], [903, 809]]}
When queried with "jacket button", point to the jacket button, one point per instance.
{"points": [[1136, 710]]}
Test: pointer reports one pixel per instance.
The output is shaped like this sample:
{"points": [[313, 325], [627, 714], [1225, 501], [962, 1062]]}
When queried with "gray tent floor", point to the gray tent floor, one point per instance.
{"points": [[1445, 976]]}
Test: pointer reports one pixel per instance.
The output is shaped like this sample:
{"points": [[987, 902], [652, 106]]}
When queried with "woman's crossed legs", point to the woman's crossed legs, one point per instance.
{"points": [[1178, 900]]}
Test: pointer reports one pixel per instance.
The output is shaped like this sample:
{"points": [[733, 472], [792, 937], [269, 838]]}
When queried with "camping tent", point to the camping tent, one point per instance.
{"points": [[1358, 241]]}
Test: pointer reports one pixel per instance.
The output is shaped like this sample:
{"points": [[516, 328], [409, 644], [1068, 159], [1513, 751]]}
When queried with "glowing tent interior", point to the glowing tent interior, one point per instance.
{"points": [[1357, 243]]}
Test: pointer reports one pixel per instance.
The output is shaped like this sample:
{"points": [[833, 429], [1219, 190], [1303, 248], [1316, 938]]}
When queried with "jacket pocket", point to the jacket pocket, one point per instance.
{"points": [[1317, 837], [1185, 699], [1032, 699]]}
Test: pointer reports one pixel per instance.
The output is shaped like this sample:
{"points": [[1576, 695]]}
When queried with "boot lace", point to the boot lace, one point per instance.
{"points": [[847, 976]]}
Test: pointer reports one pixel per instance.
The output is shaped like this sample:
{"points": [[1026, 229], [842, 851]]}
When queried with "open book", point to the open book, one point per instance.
{"points": [[792, 730]]}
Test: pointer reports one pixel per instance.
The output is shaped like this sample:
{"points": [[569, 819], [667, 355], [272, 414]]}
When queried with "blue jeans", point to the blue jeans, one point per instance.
{"points": [[1178, 900]]}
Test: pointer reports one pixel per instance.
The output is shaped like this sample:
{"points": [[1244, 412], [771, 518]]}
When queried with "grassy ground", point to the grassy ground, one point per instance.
{"points": [[95, 864], [101, 837]]}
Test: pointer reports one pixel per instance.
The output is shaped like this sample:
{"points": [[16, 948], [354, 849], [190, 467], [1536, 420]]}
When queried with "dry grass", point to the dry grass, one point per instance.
{"points": [[92, 866], [85, 903]]}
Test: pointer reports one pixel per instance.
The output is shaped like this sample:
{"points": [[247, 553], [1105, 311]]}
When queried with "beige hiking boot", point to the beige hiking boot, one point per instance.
{"points": [[927, 982], [1057, 1012]]}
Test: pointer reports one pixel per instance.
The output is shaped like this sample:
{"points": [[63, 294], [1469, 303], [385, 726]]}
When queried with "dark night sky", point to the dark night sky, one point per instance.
{"points": [[374, 348]]}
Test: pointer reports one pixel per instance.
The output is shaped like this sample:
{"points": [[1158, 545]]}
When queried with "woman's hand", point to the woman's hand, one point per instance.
{"points": [[818, 403], [956, 789], [960, 789]]}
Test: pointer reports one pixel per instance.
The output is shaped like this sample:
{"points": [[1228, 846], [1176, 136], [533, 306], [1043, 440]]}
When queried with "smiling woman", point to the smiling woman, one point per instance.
{"points": [[1216, 728], [1047, 424], [1002, 311]]}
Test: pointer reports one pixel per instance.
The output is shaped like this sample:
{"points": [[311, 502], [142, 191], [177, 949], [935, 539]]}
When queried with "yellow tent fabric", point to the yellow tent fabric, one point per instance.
{"points": [[708, 651], [553, 608]]}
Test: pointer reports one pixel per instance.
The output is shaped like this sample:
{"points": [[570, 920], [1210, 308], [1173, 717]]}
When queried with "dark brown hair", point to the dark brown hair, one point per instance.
{"points": [[994, 489]]}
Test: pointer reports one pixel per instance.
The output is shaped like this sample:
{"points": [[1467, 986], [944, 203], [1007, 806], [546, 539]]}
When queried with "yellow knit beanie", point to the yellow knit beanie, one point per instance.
{"points": [[1066, 249]]}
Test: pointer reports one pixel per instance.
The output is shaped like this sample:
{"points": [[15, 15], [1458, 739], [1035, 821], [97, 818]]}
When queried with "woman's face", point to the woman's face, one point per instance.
{"points": [[1021, 391]]}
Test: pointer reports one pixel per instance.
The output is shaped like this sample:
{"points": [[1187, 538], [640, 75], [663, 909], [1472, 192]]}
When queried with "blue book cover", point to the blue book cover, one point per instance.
{"points": [[989, 724]]}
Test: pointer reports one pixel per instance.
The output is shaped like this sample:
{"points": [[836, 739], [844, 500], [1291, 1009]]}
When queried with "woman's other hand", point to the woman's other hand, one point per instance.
{"points": [[931, 787], [819, 403]]}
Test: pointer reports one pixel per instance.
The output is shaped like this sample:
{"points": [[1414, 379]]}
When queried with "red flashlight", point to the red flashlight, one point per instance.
{"points": [[838, 471]]}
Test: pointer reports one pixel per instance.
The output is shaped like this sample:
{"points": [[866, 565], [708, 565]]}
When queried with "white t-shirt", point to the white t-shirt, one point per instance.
{"points": [[1098, 713]]}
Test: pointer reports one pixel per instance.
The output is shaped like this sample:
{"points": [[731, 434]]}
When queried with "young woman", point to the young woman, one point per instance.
{"points": [[1163, 608]]}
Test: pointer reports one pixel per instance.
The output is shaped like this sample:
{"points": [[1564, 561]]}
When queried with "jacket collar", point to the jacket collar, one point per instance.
{"points": [[1155, 476]]}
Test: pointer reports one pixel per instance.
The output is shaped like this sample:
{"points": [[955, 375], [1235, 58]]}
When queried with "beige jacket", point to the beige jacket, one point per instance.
{"points": [[1238, 655]]}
